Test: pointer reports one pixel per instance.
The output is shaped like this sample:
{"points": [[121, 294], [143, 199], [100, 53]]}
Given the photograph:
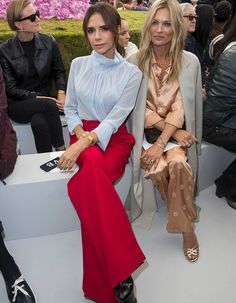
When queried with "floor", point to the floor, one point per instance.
{"points": [[52, 264]]}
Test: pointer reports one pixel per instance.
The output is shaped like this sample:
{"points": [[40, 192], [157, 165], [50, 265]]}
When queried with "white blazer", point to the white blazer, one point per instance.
{"points": [[141, 197]]}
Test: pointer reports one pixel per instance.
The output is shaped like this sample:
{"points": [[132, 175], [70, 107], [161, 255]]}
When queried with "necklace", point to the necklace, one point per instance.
{"points": [[163, 63]]}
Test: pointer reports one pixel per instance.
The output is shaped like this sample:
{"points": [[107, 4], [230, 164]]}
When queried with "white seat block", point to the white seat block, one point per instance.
{"points": [[212, 162], [26, 138], [35, 203]]}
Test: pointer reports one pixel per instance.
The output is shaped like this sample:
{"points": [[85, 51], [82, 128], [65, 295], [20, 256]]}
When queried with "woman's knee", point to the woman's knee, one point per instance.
{"points": [[92, 155], [177, 162], [49, 106], [39, 123]]}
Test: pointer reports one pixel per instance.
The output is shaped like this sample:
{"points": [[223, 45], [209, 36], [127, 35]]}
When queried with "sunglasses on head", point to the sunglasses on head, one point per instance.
{"points": [[191, 17], [32, 17]]}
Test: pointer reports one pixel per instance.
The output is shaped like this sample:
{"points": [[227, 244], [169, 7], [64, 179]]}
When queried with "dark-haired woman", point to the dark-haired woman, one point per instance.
{"points": [[126, 47], [202, 32], [220, 110], [101, 93]]}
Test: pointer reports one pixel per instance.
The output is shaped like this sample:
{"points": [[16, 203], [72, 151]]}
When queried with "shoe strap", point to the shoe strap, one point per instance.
{"points": [[16, 287], [192, 252]]}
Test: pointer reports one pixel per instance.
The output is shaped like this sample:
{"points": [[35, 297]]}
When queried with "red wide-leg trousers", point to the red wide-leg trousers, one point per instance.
{"points": [[110, 251]]}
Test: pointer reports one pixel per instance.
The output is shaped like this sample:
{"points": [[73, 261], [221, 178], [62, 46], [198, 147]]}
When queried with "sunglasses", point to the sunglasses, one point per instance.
{"points": [[191, 17], [32, 17]]}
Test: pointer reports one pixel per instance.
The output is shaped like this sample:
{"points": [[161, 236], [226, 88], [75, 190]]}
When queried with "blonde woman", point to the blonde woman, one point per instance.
{"points": [[169, 108]]}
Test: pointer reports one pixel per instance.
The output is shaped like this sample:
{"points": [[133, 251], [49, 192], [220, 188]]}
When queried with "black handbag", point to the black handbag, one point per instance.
{"points": [[152, 134]]}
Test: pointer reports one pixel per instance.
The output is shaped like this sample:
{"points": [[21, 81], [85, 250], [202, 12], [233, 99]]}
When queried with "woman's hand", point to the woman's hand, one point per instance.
{"points": [[184, 138], [61, 97], [151, 157], [69, 157], [60, 101]]}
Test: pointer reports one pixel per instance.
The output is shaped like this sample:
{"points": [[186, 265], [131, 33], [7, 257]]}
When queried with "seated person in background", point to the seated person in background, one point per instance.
{"points": [[190, 18], [140, 6], [170, 94], [118, 4], [134, 5], [127, 48], [219, 125], [17, 288], [222, 15], [202, 32], [128, 4], [30, 61]]}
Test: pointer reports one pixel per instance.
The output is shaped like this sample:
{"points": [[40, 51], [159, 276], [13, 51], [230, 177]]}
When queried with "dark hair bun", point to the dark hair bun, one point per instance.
{"points": [[223, 11]]}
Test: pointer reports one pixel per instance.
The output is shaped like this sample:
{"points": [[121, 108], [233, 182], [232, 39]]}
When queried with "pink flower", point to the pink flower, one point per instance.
{"points": [[60, 9]]}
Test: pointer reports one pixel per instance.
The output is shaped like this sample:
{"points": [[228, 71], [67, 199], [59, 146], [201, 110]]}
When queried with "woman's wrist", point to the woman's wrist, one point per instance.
{"points": [[79, 135], [160, 145], [61, 92], [161, 142], [91, 137], [82, 144]]}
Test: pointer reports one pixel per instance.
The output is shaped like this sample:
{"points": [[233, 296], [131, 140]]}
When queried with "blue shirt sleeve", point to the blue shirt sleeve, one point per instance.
{"points": [[120, 111], [71, 103]]}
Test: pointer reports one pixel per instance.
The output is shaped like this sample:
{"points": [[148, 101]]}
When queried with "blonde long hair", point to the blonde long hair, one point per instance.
{"points": [[146, 50]]}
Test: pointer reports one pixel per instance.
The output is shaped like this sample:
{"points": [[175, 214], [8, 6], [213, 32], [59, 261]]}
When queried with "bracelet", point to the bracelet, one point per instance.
{"points": [[159, 143], [162, 141], [91, 140]]}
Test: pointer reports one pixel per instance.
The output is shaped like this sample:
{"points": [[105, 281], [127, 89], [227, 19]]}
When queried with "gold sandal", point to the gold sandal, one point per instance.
{"points": [[191, 254]]}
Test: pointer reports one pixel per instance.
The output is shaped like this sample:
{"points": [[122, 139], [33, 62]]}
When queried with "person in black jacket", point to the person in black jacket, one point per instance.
{"points": [[220, 110], [30, 61], [18, 289]]}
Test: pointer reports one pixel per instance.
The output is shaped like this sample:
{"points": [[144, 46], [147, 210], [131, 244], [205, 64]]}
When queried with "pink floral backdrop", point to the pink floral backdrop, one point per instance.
{"points": [[60, 9]]}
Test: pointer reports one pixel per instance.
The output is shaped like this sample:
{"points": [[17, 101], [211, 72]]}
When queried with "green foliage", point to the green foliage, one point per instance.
{"points": [[70, 37]]}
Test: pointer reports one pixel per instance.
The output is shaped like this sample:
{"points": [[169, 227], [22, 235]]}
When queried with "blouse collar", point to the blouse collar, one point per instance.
{"points": [[154, 64], [101, 59]]}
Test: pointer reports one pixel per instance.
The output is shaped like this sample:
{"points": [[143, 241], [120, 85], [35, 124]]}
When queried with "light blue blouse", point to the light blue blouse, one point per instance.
{"points": [[101, 89]]}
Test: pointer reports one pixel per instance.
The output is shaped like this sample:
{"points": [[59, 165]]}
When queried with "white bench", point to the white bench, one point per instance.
{"points": [[35, 203], [26, 139], [212, 162]]}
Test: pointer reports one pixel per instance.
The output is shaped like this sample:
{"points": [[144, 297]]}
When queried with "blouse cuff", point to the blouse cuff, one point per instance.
{"points": [[72, 123], [104, 133]]}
